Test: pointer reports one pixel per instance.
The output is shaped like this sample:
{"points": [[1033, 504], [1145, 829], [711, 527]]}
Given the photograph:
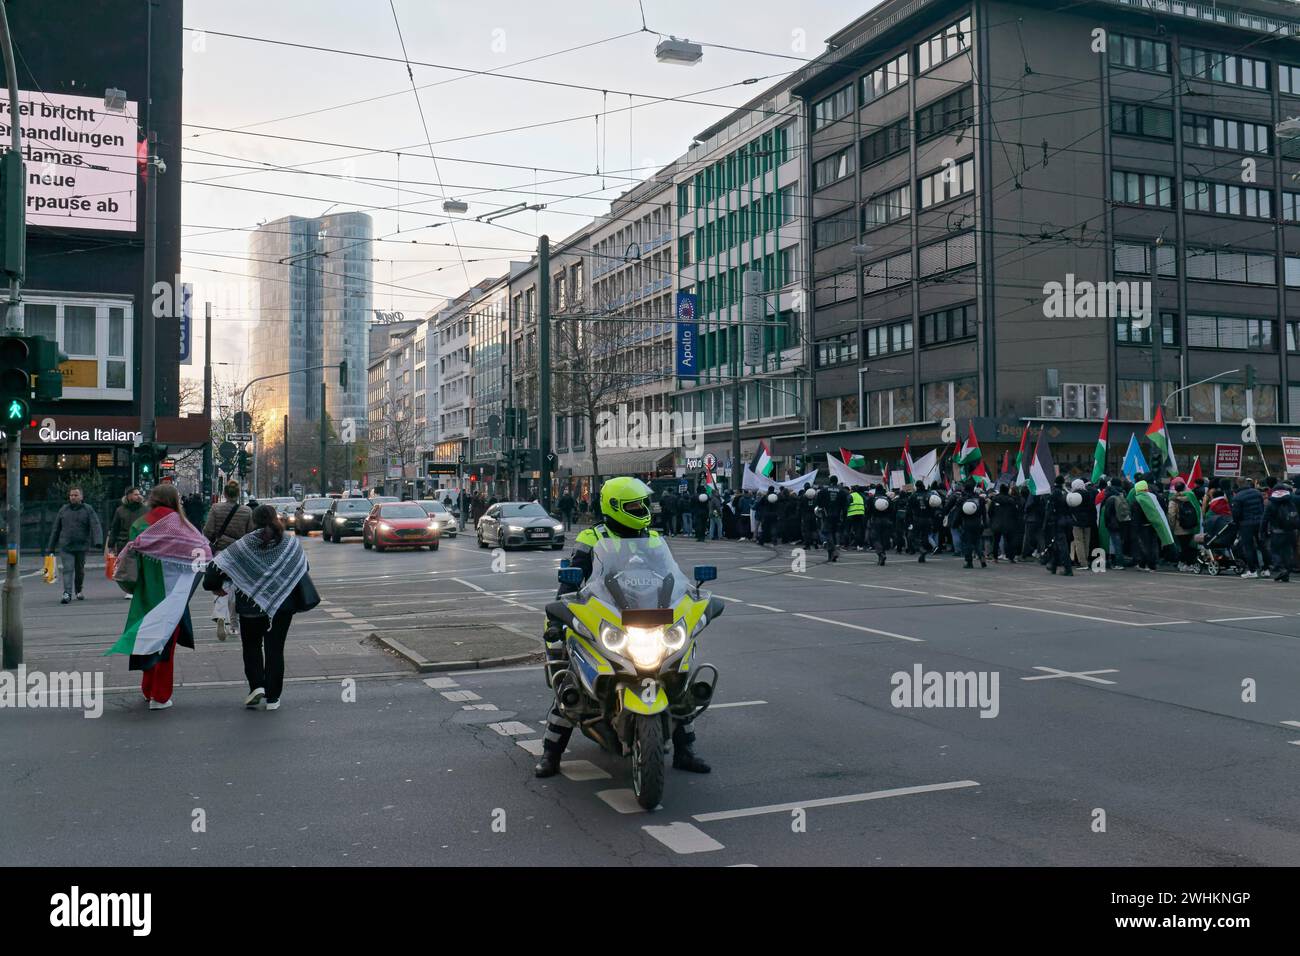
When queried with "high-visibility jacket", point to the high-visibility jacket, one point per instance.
{"points": [[857, 507]]}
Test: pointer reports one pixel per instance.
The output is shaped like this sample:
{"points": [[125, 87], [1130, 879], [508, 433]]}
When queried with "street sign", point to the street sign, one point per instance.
{"points": [[240, 438], [710, 461], [227, 449], [460, 460], [1227, 461], [694, 464], [187, 324], [1291, 454]]}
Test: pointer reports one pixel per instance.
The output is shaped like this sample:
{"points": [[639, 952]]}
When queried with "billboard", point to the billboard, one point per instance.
{"points": [[80, 159], [686, 337]]}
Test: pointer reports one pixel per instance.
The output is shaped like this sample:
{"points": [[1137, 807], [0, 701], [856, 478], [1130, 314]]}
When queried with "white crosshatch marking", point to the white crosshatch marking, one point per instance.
{"points": [[1053, 673]]}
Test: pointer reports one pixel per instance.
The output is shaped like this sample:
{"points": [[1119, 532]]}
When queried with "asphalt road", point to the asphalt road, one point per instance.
{"points": [[1118, 734]]}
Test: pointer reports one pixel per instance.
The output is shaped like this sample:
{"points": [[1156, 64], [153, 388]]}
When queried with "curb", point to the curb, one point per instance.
{"points": [[425, 666]]}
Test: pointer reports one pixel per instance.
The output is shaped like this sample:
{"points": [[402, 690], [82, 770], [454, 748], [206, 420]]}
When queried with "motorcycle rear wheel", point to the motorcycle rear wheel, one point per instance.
{"points": [[648, 760]]}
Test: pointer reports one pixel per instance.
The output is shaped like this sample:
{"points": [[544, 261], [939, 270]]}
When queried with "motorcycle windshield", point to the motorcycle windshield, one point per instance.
{"points": [[635, 574]]}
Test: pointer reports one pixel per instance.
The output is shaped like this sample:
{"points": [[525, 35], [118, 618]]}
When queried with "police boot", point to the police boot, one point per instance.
{"points": [[549, 765], [684, 757]]}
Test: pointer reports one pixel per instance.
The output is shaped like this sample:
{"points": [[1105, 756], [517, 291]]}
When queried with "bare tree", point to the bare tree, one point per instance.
{"points": [[397, 433]]}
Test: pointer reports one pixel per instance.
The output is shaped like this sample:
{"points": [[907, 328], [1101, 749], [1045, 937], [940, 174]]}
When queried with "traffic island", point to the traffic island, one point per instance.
{"points": [[453, 647]]}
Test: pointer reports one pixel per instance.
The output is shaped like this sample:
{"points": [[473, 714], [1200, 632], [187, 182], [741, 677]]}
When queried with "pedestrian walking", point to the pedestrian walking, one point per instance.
{"points": [[267, 570], [159, 567], [1185, 521], [881, 517], [922, 513], [715, 517], [856, 517], [1003, 520], [228, 521], [1281, 524], [76, 530], [1058, 527], [832, 503], [126, 514], [567, 505], [1248, 513]]}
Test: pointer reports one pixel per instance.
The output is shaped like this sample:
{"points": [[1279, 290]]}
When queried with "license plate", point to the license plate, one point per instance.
{"points": [[408, 532], [537, 532]]}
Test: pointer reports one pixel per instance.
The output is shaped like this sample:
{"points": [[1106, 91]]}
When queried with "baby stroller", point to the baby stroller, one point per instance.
{"points": [[1215, 553]]}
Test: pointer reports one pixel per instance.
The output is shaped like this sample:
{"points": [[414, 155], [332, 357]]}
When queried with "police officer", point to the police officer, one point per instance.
{"points": [[921, 516], [856, 514], [625, 503], [808, 518], [1281, 521], [970, 516], [882, 522], [833, 503], [1058, 524]]}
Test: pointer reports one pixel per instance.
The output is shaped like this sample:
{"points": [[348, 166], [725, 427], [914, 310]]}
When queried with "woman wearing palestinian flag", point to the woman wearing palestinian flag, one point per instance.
{"points": [[1186, 522], [1150, 526], [160, 568]]}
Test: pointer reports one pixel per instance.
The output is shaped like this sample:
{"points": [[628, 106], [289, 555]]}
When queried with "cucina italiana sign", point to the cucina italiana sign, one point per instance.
{"points": [[51, 432]]}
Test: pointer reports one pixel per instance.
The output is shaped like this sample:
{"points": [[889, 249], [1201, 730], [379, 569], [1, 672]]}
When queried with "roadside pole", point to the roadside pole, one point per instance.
{"points": [[13, 587], [323, 484], [207, 404], [544, 366]]}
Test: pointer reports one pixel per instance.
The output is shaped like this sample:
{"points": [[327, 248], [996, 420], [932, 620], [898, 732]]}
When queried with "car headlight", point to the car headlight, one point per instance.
{"points": [[433, 526], [514, 528], [385, 526], [557, 526]]}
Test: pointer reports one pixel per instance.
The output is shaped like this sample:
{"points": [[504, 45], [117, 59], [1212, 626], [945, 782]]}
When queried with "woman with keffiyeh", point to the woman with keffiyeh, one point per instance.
{"points": [[265, 567], [168, 552]]}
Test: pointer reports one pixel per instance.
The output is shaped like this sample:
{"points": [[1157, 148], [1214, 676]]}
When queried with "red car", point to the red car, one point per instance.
{"points": [[400, 525]]}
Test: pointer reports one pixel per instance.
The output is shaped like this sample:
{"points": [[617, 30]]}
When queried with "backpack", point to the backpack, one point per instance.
{"points": [[1186, 513], [1123, 510], [1290, 517]]}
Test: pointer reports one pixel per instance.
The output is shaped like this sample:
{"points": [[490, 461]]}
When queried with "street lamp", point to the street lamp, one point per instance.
{"points": [[683, 52]]}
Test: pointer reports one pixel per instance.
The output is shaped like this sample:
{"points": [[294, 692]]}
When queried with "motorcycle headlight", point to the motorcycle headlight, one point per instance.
{"points": [[675, 636], [646, 646], [612, 639]]}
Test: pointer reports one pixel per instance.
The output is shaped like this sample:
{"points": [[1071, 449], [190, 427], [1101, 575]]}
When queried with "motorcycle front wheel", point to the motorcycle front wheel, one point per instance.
{"points": [[648, 760]]}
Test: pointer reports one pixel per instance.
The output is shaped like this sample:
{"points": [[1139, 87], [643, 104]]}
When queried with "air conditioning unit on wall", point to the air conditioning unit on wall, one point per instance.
{"points": [[1094, 401], [1049, 406], [1072, 401]]}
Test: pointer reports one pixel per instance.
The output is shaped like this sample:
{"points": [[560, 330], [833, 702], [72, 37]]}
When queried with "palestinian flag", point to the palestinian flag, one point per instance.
{"points": [[856, 462], [1158, 435], [1192, 477], [1021, 475], [971, 459], [762, 463], [1103, 533], [1099, 455], [710, 483], [908, 476], [171, 553], [1155, 515], [1042, 469]]}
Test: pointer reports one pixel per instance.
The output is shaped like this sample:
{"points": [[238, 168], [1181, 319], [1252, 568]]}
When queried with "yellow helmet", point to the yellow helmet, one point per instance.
{"points": [[626, 503]]}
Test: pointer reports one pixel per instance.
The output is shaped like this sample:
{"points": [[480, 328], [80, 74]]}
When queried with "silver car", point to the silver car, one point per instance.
{"points": [[519, 524], [447, 523]]}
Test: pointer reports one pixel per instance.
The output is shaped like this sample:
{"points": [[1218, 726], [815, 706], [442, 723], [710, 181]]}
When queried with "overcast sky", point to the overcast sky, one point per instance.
{"points": [[261, 88]]}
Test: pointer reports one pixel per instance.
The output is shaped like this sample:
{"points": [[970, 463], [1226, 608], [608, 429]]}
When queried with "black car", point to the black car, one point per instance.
{"points": [[345, 518], [519, 524], [307, 516]]}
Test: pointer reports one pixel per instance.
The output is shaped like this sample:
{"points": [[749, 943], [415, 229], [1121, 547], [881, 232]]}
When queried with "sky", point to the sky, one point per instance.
{"points": [[253, 104]]}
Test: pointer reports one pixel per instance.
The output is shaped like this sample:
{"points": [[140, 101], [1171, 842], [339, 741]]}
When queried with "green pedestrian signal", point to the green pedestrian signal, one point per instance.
{"points": [[16, 411]]}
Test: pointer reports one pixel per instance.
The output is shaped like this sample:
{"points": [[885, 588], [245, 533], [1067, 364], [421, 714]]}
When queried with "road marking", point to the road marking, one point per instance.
{"points": [[533, 746], [495, 670], [437, 682], [832, 801], [953, 597], [738, 703], [761, 570], [469, 584], [1292, 723], [478, 707], [460, 695], [766, 607], [1087, 617], [511, 728], [582, 770], [882, 587], [859, 627], [624, 801], [1052, 673], [684, 838], [1227, 620], [725, 598]]}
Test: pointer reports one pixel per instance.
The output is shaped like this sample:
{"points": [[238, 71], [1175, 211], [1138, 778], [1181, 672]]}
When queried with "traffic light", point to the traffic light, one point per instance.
{"points": [[146, 457], [343, 375], [46, 359], [13, 219], [241, 463], [15, 382], [1250, 377]]}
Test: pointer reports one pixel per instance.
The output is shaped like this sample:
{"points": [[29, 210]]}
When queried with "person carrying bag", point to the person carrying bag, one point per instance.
{"points": [[268, 571], [222, 610]]}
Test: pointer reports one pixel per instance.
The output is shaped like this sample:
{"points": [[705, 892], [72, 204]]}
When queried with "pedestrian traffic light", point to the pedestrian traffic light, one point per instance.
{"points": [[1250, 377], [15, 382], [13, 219], [146, 457], [241, 463]]}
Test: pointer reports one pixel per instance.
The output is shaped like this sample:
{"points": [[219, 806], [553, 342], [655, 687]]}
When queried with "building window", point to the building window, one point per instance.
{"points": [[883, 143], [886, 208], [1220, 265], [948, 325], [1135, 398], [944, 45], [831, 169], [887, 273], [836, 106], [834, 229], [1131, 119], [1227, 199], [1142, 189], [955, 253], [838, 350], [1229, 332], [955, 109], [947, 183], [889, 339], [954, 399], [829, 290], [1136, 53], [1211, 131], [1224, 68], [884, 79], [1127, 334], [96, 335], [889, 406]]}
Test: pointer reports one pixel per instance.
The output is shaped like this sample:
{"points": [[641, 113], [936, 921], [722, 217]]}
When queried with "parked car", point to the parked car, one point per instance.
{"points": [[345, 518], [399, 525], [307, 516], [447, 524], [519, 524]]}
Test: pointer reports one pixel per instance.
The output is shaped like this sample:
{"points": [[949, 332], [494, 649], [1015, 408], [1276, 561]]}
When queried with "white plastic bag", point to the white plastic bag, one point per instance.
{"points": [[221, 609]]}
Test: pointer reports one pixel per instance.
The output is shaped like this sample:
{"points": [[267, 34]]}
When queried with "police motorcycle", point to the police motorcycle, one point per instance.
{"points": [[631, 636]]}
